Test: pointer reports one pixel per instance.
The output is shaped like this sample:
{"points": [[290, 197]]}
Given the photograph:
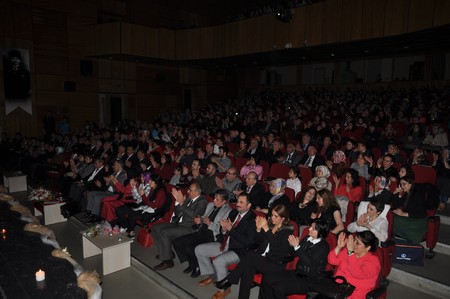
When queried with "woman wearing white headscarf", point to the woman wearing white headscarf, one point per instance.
{"points": [[276, 196], [320, 181]]}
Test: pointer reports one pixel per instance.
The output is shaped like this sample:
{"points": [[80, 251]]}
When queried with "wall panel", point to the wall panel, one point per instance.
{"points": [[104, 68], [332, 21], [297, 31], [52, 98], [132, 39], [79, 21], [49, 82], [373, 19], [281, 38], [84, 84], [420, 15], [243, 37], [55, 5], [254, 35], [206, 48], [314, 24], [118, 69], [6, 19], [107, 38], [22, 16], [441, 13], [83, 8], [351, 20], [267, 33], [166, 43], [181, 44], [396, 17], [104, 85], [151, 42], [232, 39], [219, 41], [193, 48], [50, 65]]}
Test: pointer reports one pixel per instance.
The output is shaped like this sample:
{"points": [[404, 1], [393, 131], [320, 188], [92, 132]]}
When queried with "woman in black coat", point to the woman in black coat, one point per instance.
{"points": [[312, 252], [270, 256]]}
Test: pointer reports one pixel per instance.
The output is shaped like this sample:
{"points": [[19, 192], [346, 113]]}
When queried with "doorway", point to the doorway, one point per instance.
{"points": [[115, 109]]}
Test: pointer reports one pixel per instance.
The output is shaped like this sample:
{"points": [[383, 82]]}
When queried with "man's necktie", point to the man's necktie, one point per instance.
{"points": [[308, 161], [289, 158], [227, 236]]}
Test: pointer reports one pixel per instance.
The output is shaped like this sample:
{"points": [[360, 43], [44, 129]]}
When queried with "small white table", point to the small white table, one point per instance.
{"points": [[116, 255], [51, 211], [15, 181]]}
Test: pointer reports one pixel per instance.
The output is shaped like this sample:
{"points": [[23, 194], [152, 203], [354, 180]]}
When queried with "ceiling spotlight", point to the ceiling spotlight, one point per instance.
{"points": [[332, 54]]}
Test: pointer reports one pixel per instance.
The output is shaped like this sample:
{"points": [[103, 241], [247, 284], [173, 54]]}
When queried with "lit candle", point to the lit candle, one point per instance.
{"points": [[40, 275], [3, 231]]}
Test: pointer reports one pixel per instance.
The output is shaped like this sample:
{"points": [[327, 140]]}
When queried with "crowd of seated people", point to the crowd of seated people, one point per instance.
{"points": [[351, 140]]}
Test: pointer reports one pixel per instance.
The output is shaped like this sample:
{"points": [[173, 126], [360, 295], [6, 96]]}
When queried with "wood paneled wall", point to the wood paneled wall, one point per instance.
{"points": [[332, 21], [60, 33]]}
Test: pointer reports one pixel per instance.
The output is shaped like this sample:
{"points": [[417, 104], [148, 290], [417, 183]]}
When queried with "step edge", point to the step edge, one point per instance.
{"points": [[420, 283], [444, 219], [168, 284], [440, 248]]}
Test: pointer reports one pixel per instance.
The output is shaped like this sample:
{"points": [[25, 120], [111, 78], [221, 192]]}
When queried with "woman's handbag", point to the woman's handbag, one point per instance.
{"points": [[145, 237], [333, 287]]}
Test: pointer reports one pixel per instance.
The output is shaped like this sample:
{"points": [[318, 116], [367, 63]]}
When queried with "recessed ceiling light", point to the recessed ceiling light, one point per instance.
{"points": [[366, 51], [332, 54]]}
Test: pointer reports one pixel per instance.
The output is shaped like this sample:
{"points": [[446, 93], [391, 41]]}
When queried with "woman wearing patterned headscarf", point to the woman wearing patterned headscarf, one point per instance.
{"points": [[320, 181], [276, 197], [338, 163], [380, 190]]}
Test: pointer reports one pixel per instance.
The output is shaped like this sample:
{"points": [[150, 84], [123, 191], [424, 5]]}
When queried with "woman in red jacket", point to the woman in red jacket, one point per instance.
{"points": [[349, 191], [356, 262]]}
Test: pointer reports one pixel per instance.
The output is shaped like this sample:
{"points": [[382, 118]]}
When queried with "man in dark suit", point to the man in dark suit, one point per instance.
{"points": [[292, 158], [255, 149], [312, 159], [95, 181], [132, 165], [239, 232], [182, 223], [254, 190], [207, 228]]}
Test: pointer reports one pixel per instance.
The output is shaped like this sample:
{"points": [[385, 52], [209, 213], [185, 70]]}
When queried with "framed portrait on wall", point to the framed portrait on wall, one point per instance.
{"points": [[16, 78]]}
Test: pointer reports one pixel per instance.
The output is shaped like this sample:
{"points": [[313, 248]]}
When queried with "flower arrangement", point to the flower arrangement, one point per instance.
{"points": [[40, 194]]}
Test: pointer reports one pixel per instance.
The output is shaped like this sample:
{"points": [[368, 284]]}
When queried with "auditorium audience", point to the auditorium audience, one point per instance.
{"points": [[198, 142]]}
